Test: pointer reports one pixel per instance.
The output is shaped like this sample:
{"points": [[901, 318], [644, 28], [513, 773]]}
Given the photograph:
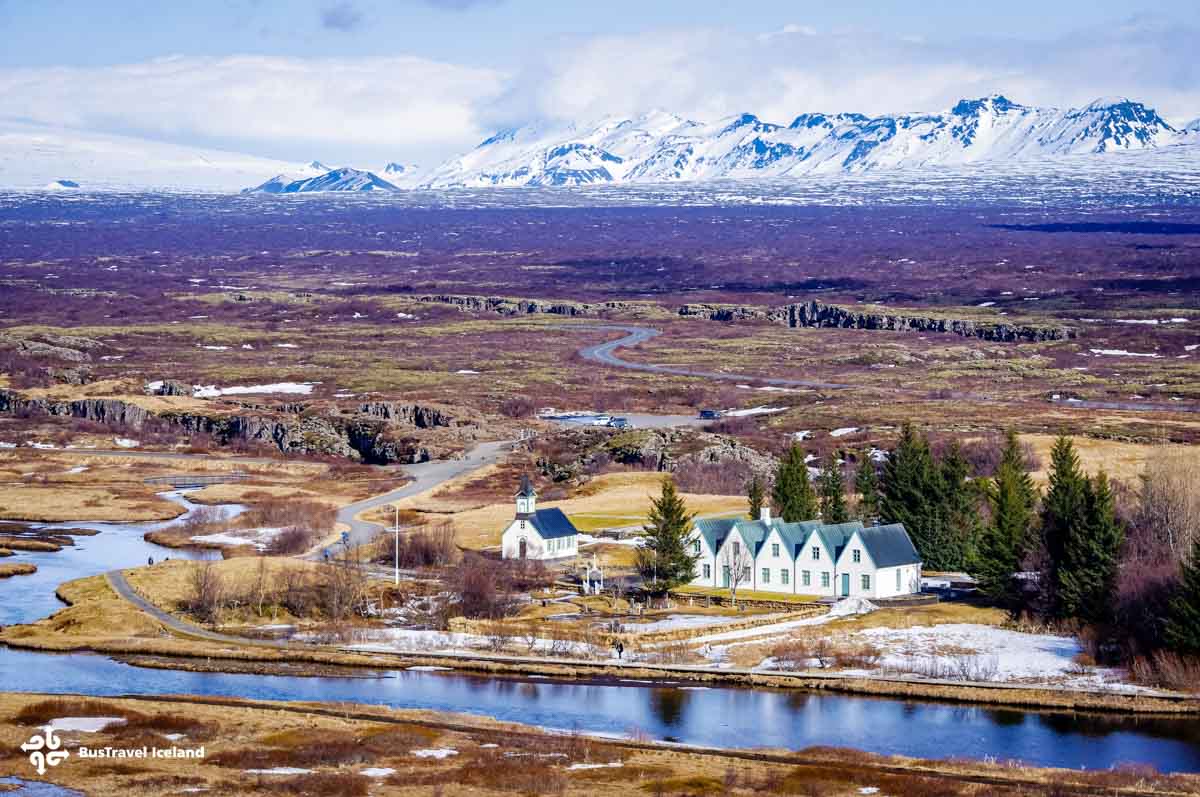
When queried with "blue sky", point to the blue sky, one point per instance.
{"points": [[420, 79]]}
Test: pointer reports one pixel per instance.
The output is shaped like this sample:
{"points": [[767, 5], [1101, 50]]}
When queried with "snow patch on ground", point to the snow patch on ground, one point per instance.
{"points": [[126, 442], [437, 752], [296, 388], [84, 724], [1121, 353], [377, 772], [465, 371], [259, 538], [279, 771], [845, 430], [753, 411], [681, 621], [597, 766]]}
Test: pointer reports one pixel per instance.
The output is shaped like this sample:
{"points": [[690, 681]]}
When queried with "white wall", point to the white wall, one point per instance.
{"points": [[909, 580], [777, 565], [535, 546], [707, 557]]}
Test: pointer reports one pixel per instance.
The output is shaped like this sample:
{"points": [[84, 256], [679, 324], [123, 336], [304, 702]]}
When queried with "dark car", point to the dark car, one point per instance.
{"points": [[710, 415], [620, 423]]}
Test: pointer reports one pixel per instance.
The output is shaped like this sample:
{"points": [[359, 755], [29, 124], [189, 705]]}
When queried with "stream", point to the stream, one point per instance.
{"points": [[710, 716]]}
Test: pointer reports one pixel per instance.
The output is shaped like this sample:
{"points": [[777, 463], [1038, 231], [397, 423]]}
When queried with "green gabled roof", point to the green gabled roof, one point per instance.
{"points": [[715, 530], [795, 535], [889, 546], [754, 532]]}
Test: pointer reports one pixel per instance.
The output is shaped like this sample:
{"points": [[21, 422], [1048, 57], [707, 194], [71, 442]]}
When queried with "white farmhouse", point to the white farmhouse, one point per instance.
{"points": [[538, 533], [807, 558]]}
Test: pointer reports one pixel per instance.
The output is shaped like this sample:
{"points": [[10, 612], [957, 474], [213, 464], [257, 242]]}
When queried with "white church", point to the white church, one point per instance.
{"points": [[806, 558], [544, 534]]}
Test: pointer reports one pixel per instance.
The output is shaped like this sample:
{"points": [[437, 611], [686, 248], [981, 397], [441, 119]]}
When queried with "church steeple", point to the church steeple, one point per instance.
{"points": [[526, 498]]}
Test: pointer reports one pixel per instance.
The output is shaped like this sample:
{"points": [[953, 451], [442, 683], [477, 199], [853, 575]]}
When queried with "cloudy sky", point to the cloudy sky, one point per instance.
{"points": [[366, 81]]}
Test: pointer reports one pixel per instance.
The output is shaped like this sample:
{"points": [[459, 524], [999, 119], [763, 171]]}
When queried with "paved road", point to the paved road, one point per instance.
{"points": [[605, 353], [426, 476]]}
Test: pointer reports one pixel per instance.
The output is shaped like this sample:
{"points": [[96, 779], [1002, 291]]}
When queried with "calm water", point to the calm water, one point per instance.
{"points": [[24, 599], [726, 717]]}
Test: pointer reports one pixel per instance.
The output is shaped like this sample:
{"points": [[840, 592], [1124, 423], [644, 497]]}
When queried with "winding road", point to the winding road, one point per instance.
{"points": [[605, 354]]}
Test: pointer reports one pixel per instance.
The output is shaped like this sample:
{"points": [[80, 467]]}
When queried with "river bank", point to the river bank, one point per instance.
{"points": [[255, 745]]}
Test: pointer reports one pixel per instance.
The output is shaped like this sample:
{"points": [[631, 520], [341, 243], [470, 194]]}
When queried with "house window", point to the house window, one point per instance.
{"points": [[866, 582], [746, 573], [806, 578], [897, 579], [825, 579], [783, 576], [708, 571], [766, 579], [774, 549], [816, 554], [522, 525], [857, 555], [737, 550], [696, 546]]}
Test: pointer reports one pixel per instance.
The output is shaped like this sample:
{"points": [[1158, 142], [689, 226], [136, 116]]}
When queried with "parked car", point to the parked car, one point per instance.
{"points": [[710, 415], [620, 423]]}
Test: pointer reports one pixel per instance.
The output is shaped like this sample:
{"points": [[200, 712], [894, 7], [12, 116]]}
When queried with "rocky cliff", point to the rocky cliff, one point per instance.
{"points": [[512, 306], [816, 314], [376, 433]]}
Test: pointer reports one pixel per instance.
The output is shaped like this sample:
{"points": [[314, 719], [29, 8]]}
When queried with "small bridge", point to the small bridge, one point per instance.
{"points": [[188, 480]]}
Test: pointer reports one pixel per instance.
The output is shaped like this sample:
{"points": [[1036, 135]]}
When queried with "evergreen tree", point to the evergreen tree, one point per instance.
{"points": [[909, 494], [1183, 621], [1087, 572], [1005, 540], [958, 508], [833, 493], [1062, 516], [756, 496], [792, 493], [665, 557], [866, 484]]}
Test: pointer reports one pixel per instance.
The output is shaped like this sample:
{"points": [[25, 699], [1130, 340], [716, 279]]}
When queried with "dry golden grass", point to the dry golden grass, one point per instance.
{"points": [[1121, 460], [95, 613], [624, 494], [168, 584], [50, 504], [10, 569]]}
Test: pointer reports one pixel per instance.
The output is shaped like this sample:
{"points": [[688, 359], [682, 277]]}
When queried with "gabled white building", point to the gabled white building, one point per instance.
{"points": [[538, 533], [807, 558]]}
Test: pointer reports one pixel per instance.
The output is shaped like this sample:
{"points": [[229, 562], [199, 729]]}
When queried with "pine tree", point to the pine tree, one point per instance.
{"points": [[833, 493], [1183, 621], [755, 496], [792, 493], [665, 558], [866, 484], [958, 500], [908, 494], [1062, 516], [1088, 569], [1005, 540]]}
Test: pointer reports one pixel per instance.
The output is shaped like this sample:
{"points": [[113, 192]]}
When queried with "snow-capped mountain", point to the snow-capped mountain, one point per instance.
{"points": [[659, 146], [402, 175], [62, 185], [344, 179], [34, 156]]}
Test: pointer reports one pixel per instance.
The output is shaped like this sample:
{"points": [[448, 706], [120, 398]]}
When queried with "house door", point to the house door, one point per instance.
{"points": [[725, 577], [521, 549], [845, 584]]}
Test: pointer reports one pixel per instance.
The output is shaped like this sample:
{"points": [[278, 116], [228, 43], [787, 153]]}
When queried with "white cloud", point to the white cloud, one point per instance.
{"points": [[395, 107], [367, 109]]}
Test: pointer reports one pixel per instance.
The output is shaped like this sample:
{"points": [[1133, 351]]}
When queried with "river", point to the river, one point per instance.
{"points": [[714, 716]]}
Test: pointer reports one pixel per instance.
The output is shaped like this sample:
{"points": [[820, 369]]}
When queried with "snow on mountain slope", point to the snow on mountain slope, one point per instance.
{"points": [[344, 179], [32, 156], [660, 147]]}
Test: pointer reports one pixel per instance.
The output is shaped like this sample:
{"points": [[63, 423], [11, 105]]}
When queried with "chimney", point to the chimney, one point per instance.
{"points": [[764, 515]]}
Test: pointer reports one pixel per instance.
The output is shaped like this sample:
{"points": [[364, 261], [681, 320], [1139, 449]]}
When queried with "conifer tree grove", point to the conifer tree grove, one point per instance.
{"points": [[1063, 516], [1183, 622], [792, 493], [866, 484], [958, 508], [755, 496], [833, 493], [665, 559], [1004, 541], [1088, 570]]}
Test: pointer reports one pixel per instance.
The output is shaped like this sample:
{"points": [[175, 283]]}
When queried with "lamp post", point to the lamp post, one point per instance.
{"points": [[396, 553]]}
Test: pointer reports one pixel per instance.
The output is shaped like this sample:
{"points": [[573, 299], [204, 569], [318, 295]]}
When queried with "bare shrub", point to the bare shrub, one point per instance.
{"points": [[857, 657], [428, 546], [1169, 512], [291, 541], [793, 654], [517, 407], [208, 593], [711, 478], [1167, 670], [481, 588]]}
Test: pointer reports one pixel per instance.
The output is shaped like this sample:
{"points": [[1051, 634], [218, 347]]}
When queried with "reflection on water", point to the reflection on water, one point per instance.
{"points": [[719, 717], [24, 599], [33, 788]]}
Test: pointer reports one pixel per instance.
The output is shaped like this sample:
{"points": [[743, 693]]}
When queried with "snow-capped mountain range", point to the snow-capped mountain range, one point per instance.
{"points": [[662, 147], [654, 147]]}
